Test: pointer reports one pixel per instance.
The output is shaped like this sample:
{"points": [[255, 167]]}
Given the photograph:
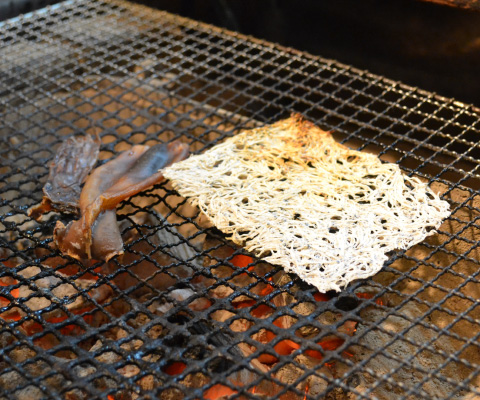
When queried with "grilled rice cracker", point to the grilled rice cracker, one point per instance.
{"points": [[293, 196]]}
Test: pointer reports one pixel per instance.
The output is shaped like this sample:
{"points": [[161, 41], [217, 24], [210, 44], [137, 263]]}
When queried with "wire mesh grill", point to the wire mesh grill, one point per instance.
{"points": [[185, 314]]}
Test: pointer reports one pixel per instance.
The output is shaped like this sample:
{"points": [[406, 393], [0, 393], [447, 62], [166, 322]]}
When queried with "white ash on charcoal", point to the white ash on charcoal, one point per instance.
{"points": [[46, 288], [106, 357], [21, 353], [242, 378], [20, 232], [30, 392], [402, 354], [60, 287], [84, 371], [109, 357], [172, 298], [10, 380], [414, 321]]}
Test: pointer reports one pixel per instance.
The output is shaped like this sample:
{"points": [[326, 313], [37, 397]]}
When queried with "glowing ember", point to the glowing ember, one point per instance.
{"points": [[267, 289], [71, 270], [218, 391], [12, 314], [6, 282], [368, 296], [347, 353], [321, 297], [349, 327], [175, 368], [245, 304], [69, 330], [286, 347], [241, 261]]}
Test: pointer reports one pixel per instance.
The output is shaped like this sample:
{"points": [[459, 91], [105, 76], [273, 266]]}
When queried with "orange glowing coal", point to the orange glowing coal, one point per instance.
{"points": [[349, 327], [321, 297], [5, 282], [218, 391], [67, 330], [9, 315], [241, 261], [267, 289], [260, 311], [367, 296], [73, 269], [31, 327], [175, 368], [286, 347]]}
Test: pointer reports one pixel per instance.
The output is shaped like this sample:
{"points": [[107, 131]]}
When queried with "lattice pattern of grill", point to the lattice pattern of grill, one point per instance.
{"points": [[185, 314]]}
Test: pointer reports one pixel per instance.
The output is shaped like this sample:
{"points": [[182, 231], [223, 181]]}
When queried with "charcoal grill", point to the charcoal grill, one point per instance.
{"points": [[154, 325]]}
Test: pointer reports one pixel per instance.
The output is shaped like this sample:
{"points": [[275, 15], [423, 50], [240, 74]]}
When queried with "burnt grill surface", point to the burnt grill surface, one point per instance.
{"points": [[135, 75]]}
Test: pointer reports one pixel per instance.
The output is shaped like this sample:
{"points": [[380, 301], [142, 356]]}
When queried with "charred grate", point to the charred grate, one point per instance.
{"points": [[186, 315]]}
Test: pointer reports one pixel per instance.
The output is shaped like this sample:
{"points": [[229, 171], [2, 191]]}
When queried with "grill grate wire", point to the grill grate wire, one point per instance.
{"points": [[135, 75]]}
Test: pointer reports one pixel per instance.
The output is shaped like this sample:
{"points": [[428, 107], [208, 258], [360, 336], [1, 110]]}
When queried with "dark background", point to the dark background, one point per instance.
{"points": [[422, 44]]}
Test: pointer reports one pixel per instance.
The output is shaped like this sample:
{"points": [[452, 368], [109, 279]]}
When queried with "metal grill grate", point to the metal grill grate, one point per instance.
{"points": [[181, 317]]}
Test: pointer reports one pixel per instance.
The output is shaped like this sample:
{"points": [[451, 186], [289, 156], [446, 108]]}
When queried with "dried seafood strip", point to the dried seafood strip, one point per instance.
{"points": [[73, 161], [96, 234]]}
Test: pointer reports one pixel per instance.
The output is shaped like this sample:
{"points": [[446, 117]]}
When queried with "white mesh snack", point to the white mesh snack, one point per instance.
{"points": [[290, 194]]}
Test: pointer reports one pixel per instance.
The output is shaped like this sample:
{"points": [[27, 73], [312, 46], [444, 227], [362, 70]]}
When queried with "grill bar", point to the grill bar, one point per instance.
{"points": [[178, 317]]}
